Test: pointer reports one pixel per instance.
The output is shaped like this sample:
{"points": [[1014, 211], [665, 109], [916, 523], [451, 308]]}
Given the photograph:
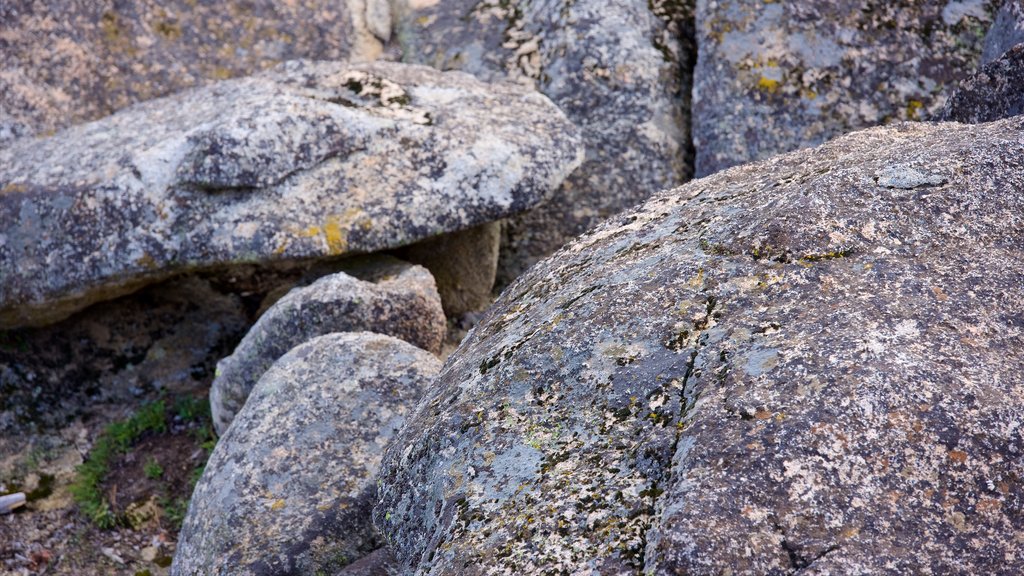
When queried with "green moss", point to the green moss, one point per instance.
{"points": [[117, 439]]}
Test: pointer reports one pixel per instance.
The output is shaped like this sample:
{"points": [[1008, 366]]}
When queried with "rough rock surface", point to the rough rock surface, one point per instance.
{"points": [[289, 488], [67, 62], [307, 160], [996, 91], [393, 298], [617, 69], [464, 265], [776, 76], [1006, 32], [810, 364], [380, 562]]}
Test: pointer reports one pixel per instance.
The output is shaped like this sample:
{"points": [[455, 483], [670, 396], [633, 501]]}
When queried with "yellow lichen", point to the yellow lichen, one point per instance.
{"points": [[913, 109], [768, 85]]}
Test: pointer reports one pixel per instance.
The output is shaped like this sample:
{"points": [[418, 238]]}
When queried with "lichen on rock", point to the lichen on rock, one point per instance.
{"points": [[787, 366], [290, 486]]}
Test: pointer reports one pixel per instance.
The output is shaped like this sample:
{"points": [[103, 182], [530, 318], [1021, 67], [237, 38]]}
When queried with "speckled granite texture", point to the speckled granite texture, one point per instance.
{"points": [[396, 299], [772, 77], [811, 365], [65, 62], [308, 160], [289, 488], [618, 69]]}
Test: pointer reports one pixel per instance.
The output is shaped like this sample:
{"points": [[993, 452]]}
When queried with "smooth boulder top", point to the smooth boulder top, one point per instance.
{"points": [[289, 488], [388, 297], [777, 76], [619, 70], [809, 363], [996, 91], [65, 63], [307, 160]]}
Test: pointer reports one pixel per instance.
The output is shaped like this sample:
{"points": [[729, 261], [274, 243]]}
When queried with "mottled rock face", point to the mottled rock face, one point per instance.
{"points": [[617, 69], [812, 362], [66, 62], [1006, 32], [305, 161], [996, 91], [777, 76], [396, 299], [289, 488]]}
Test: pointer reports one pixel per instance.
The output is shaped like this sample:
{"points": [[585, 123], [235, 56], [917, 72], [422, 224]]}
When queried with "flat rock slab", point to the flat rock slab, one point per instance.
{"points": [[996, 91], [308, 160], [65, 63], [620, 70], [810, 363], [289, 488], [775, 77], [393, 298]]}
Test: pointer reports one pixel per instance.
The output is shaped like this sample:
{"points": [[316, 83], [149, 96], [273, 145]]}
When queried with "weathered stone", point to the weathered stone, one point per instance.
{"points": [[380, 562], [307, 160], [809, 364], [463, 265], [996, 91], [777, 76], [67, 62], [289, 487], [617, 69], [393, 298], [1006, 32]]}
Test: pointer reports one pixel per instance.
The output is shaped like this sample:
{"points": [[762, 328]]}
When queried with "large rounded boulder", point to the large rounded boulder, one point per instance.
{"points": [[810, 363], [289, 488]]}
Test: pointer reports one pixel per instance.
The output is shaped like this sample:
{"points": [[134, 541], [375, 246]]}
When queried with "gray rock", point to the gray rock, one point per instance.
{"points": [[380, 562], [463, 264], [996, 91], [785, 367], [1006, 32], [396, 299], [289, 488], [617, 69], [67, 62], [779, 76], [308, 160]]}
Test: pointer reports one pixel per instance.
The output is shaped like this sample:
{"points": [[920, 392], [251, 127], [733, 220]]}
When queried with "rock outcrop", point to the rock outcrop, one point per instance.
{"points": [[1006, 32], [65, 63], [811, 363], [306, 161], [778, 76], [390, 297], [996, 91], [289, 488], [619, 70]]}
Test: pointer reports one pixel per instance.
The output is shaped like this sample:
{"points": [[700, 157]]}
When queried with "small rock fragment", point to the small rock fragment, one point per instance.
{"points": [[10, 502]]}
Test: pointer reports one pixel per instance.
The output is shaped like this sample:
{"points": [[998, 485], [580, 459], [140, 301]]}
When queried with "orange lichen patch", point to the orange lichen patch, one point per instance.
{"points": [[958, 456], [13, 188]]}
